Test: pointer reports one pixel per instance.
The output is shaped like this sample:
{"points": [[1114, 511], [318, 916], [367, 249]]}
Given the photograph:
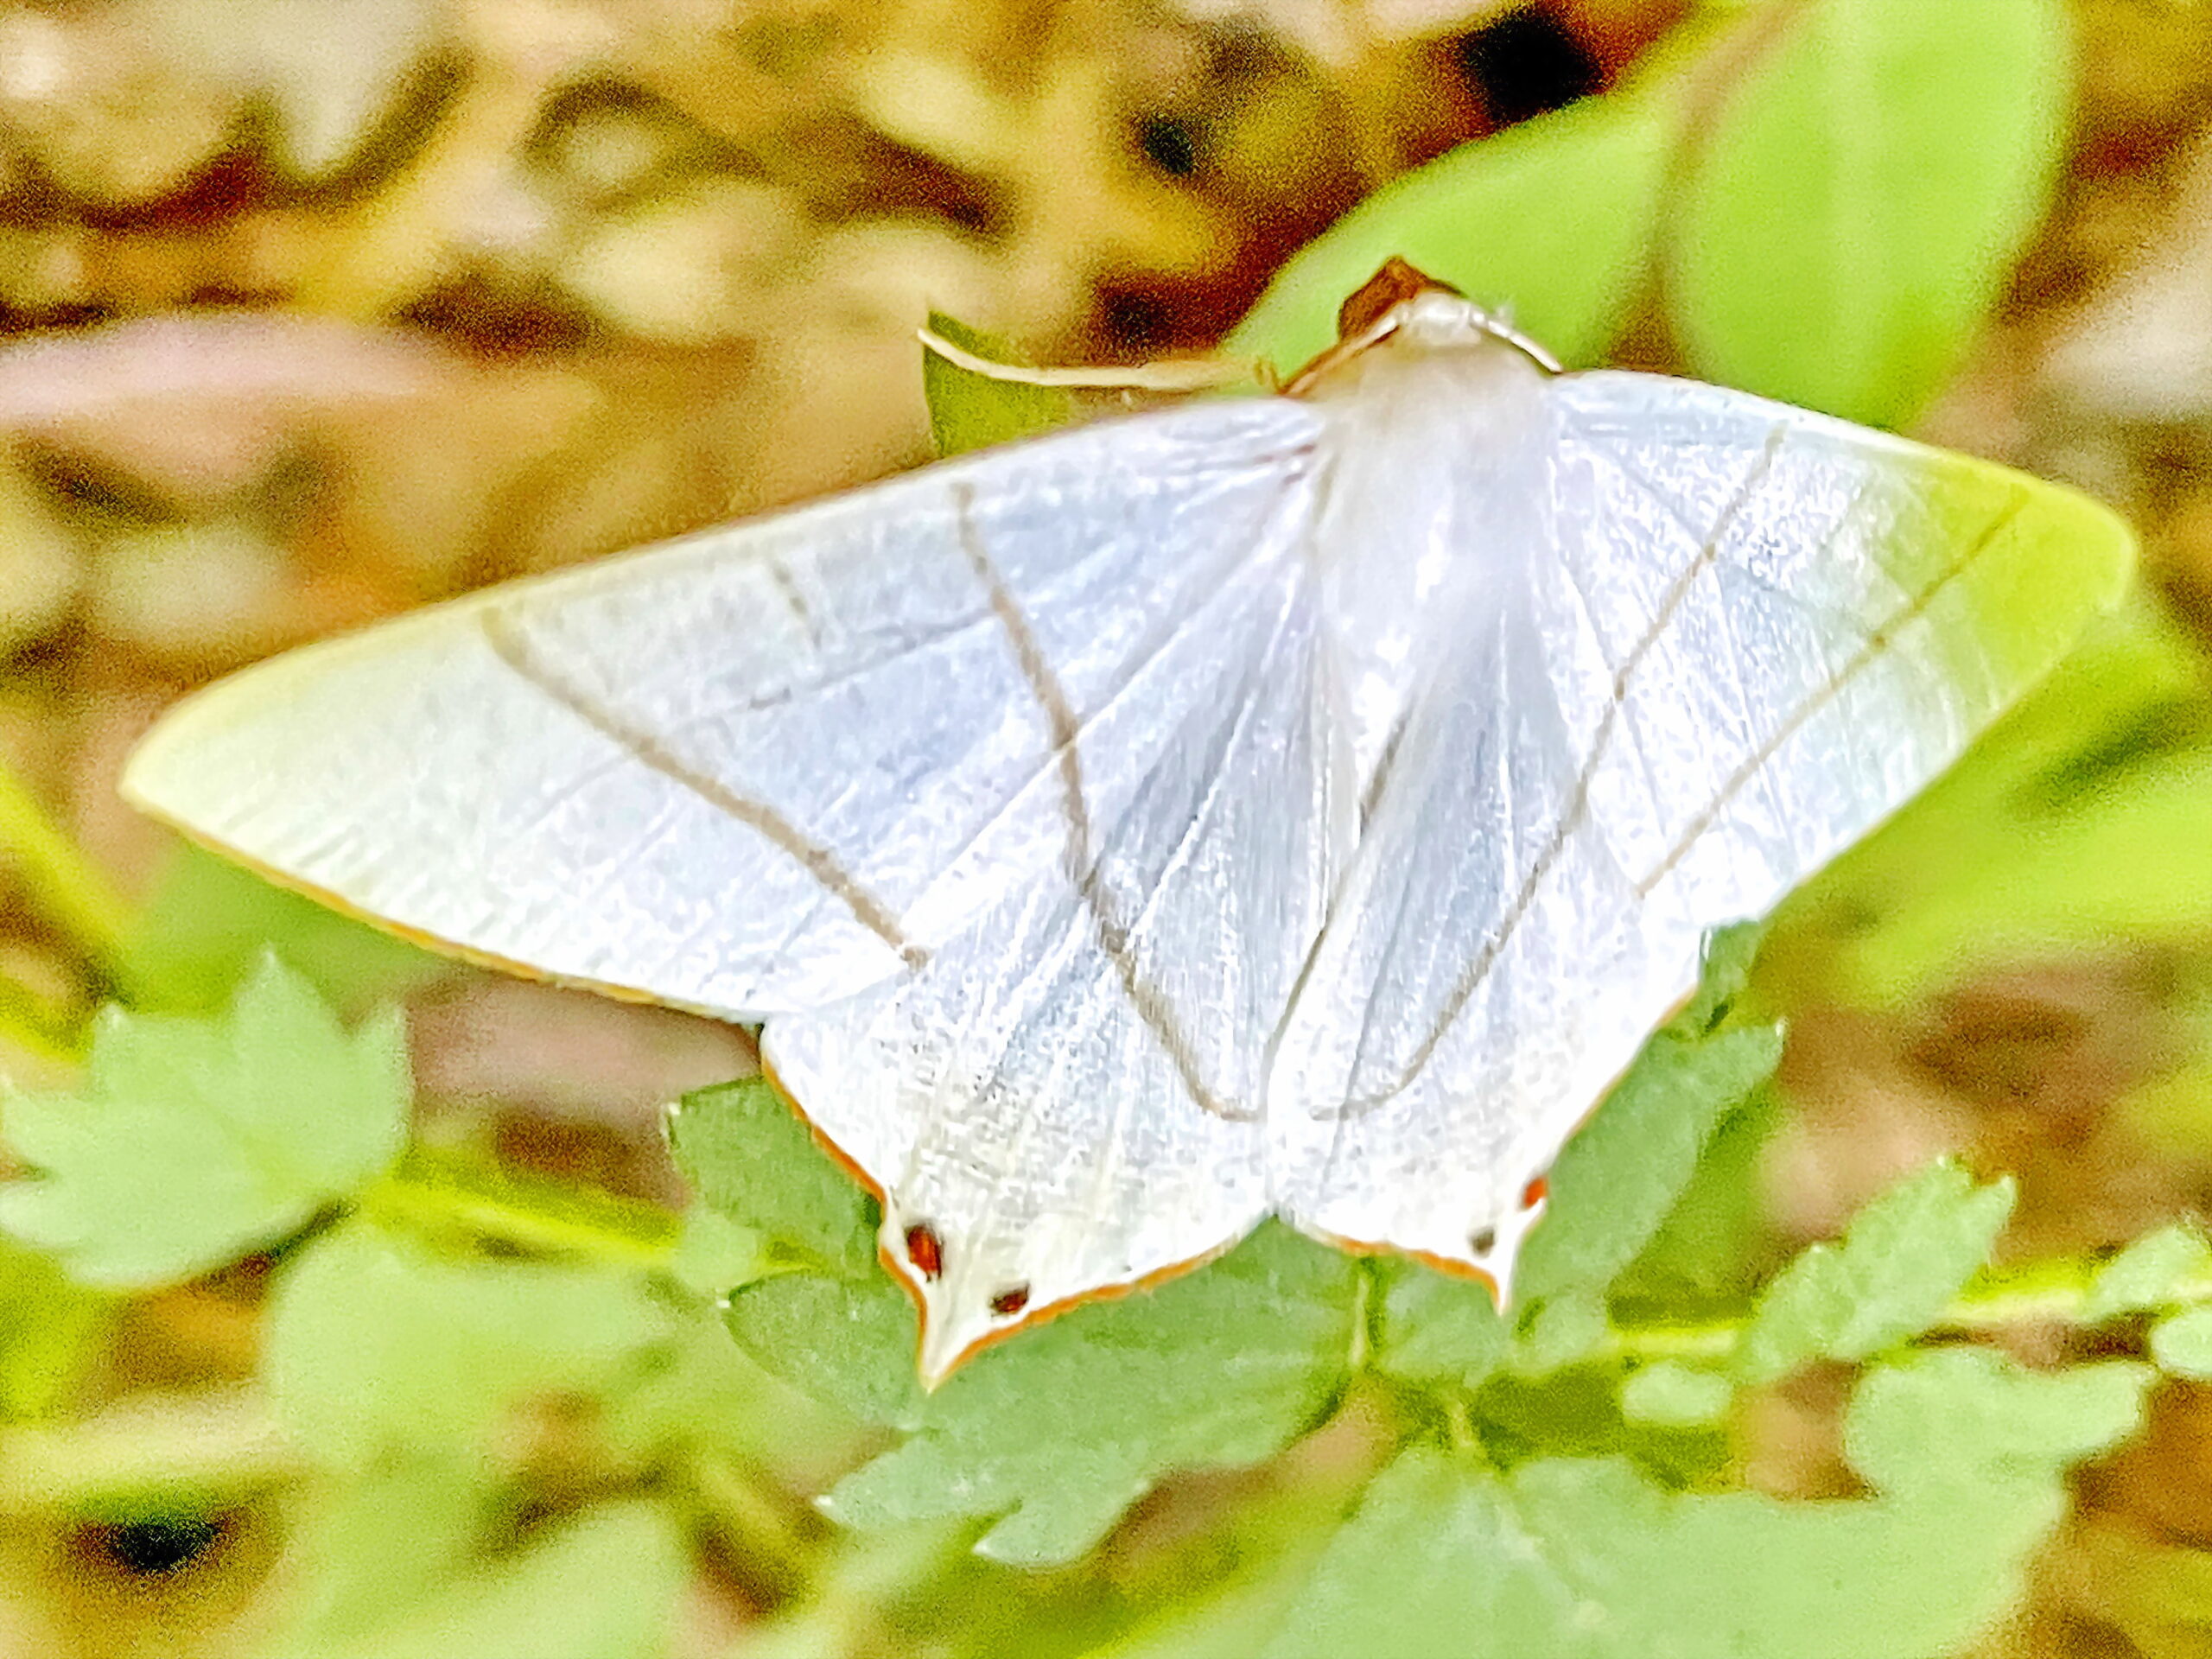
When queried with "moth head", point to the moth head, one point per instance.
{"points": [[1401, 304], [1397, 283]]}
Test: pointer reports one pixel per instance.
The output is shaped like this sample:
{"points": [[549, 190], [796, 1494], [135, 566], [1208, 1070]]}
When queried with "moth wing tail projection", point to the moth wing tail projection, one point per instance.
{"points": [[1064, 1102], [757, 769], [1745, 636]]}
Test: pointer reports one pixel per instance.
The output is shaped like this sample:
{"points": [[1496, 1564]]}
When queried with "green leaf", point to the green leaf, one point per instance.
{"points": [[1614, 1182], [1610, 1188], [1955, 1417], [210, 922], [969, 410], [1431, 1328], [2182, 1346], [2155, 1271], [1906, 1256], [1586, 1559], [1708, 1248], [1559, 1331], [1059, 1432], [194, 1141], [714, 1254], [1821, 254], [1488, 218], [752, 1159], [1669, 1396], [373, 1343], [848, 1343]]}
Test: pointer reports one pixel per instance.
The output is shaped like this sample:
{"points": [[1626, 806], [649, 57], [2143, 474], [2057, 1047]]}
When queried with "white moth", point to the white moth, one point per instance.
{"points": [[1302, 805]]}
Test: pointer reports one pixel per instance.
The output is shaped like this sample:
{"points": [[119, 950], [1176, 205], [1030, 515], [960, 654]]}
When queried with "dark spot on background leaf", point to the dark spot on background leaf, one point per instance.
{"points": [[1525, 64], [153, 1546], [1170, 143]]}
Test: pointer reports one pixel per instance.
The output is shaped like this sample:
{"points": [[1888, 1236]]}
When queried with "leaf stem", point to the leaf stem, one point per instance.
{"points": [[434, 1189], [65, 884], [2053, 1290]]}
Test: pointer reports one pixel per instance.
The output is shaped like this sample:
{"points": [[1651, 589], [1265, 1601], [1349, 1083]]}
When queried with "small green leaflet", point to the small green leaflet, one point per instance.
{"points": [[754, 1161], [1671, 1395], [849, 1342], [1060, 1430], [1586, 1559], [2182, 1346], [1611, 1188], [1224, 1365], [1613, 1183], [375, 1343], [972, 411], [1906, 1255], [194, 1141], [2155, 1271]]}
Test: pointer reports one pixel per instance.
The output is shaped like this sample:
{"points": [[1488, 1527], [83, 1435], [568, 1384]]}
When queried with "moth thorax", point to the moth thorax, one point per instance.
{"points": [[1429, 507]]}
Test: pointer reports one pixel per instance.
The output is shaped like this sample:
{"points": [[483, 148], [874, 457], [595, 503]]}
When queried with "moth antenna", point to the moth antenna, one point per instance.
{"points": [[1170, 374]]}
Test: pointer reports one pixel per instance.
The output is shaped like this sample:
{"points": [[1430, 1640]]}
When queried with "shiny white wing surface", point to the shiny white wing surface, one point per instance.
{"points": [[761, 768], [1067, 1097], [1732, 637]]}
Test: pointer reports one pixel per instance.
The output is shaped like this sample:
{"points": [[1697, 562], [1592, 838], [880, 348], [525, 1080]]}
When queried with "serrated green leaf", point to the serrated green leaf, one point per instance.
{"points": [[2182, 1346], [1817, 255], [848, 1343], [373, 1343], [1056, 1433], [193, 1141], [1586, 1559], [714, 1254], [2153, 1271], [1487, 217], [1906, 1255], [969, 410], [1934, 1420], [210, 921], [1708, 1249], [1669, 1396], [1558, 1332], [752, 1159], [1613, 1183], [1432, 1327]]}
